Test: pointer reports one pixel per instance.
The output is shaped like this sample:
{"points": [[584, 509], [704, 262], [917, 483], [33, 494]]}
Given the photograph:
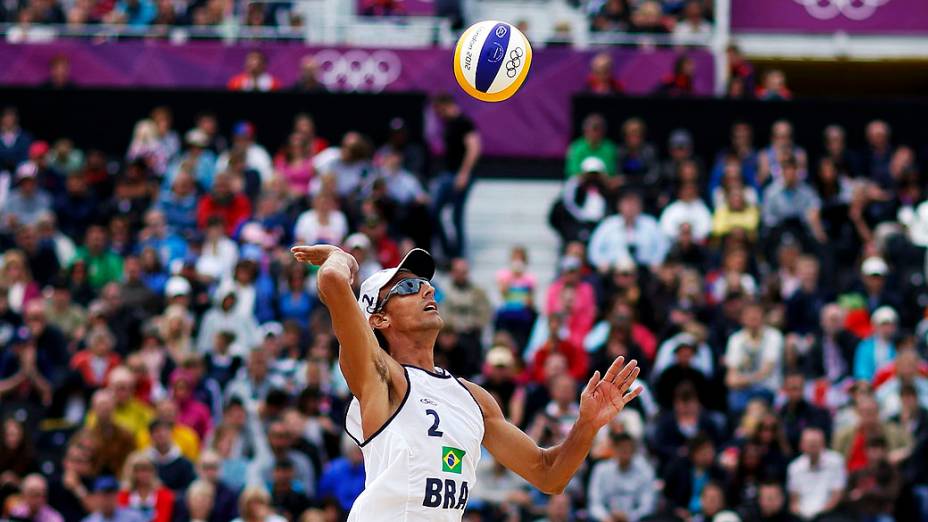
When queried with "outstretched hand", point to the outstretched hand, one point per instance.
{"points": [[603, 398], [314, 254]]}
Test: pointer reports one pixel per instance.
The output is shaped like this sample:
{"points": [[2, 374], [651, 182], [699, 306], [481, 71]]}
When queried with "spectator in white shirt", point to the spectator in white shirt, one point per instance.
{"points": [[754, 358], [816, 479], [324, 223], [693, 27], [256, 156], [623, 487], [687, 209], [628, 234]]}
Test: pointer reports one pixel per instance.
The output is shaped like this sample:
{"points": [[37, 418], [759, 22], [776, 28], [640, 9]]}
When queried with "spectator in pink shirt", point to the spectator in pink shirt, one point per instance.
{"points": [[570, 295], [294, 163], [190, 412]]}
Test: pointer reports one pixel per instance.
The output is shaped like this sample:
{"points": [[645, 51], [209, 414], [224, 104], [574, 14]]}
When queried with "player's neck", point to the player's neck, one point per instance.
{"points": [[415, 349]]}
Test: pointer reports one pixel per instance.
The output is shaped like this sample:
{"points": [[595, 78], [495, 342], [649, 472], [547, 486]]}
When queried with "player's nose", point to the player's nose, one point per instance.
{"points": [[427, 290]]}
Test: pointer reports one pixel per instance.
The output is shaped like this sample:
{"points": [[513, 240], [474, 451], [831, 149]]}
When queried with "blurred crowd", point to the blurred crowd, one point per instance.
{"points": [[164, 358], [686, 21]]}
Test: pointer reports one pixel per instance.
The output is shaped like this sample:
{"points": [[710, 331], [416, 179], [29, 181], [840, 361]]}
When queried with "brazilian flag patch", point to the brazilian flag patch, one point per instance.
{"points": [[452, 459]]}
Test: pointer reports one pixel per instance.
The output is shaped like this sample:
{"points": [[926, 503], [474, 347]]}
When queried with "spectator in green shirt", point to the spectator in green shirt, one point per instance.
{"points": [[103, 265], [593, 143]]}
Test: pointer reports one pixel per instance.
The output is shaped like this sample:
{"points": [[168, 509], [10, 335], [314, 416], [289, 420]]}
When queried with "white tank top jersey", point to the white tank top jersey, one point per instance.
{"points": [[421, 465]]}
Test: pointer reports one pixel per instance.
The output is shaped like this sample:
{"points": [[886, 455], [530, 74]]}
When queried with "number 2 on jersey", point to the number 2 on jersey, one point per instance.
{"points": [[434, 431]]}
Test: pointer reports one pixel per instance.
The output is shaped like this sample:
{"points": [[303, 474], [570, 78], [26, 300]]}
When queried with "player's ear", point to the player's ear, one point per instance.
{"points": [[379, 321]]}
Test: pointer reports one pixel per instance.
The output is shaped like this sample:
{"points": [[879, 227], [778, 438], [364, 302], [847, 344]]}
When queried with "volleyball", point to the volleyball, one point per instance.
{"points": [[491, 60]]}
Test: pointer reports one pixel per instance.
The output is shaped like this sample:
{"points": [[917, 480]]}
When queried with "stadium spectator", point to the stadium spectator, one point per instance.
{"points": [[880, 348], [308, 80], [593, 143], [878, 153], [792, 206], [687, 477], [516, 284], [687, 209], [343, 168], [343, 479], [174, 470], [14, 141], [680, 81], [254, 76], [244, 145], [71, 493], [107, 508], [612, 16], [295, 164], [576, 357], [111, 442], [754, 358], [797, 413], [142, 491], [685, 421], [462, 152], [95, 363], [736, 214], [851, 441], [648, 19], [232, 208], [602, 79], [874, 490], [740, 74], [622, 488], [34, 505], [774, 86], [817, 478], [28, 201], [693, 27], [573, 297], [636, 158], [254, 505], [630, 234], [782, 149]]}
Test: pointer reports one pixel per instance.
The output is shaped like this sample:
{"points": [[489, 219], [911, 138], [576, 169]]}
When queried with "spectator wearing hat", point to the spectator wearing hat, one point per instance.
{"points": [[106, 505], [680, 152], [874, 274], [232, 207], [682, 358], [359, 246], [254, 77], [286, 495], [178, 203], [174, 470], [583, 201], [880, 348], [593, 143], [198, 160], [49, 177], [623, 487], [628, 234], [689, 209], [499, 378], [14, 141], [27, 201], [256, 156]]}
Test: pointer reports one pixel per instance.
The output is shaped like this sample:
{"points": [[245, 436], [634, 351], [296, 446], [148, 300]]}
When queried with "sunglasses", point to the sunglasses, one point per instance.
{"points": [[405, 287]]}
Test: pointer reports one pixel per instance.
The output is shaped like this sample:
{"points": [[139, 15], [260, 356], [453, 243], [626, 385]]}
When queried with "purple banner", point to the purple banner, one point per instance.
{"points": [[828, 16], [533, 123], [397, 7]]}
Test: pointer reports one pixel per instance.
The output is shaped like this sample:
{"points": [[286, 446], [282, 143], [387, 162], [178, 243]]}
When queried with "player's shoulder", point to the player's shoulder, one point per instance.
{"points": [[487, 403]]}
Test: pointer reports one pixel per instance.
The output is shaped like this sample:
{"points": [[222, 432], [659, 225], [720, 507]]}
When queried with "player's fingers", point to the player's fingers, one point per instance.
{"points": [[629, 397], [620, 378], [594, 380], [627, 383], [614, 369]]}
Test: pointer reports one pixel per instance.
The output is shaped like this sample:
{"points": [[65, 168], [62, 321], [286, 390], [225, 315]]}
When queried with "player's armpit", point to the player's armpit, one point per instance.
{"points": [[372, 375]]}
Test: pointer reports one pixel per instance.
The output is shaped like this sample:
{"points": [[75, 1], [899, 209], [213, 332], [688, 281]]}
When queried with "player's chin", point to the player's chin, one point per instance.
{"points": [[431, 319]]}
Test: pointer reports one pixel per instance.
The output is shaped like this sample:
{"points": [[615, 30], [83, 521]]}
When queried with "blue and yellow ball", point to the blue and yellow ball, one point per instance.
{"points": [[491, 60]]}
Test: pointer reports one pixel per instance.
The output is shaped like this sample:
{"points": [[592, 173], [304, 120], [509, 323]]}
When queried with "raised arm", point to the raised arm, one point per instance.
{"points": [[550, 469], [372, 375]]}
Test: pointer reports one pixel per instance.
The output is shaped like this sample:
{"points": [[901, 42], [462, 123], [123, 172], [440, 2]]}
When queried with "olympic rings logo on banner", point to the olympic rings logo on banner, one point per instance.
{"points": [[358, 70], [515, 61], [851, 9]]}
